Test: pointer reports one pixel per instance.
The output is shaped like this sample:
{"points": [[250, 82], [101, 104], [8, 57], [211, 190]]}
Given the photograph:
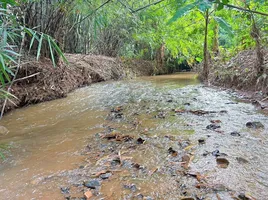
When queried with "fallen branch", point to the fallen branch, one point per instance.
{"points": [[26, 77]]}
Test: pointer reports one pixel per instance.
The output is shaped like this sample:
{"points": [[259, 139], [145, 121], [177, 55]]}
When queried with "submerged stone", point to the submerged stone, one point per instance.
{"points": [[213, 126], [92, 184], [254, 125], [222, 162], [235, 133]]}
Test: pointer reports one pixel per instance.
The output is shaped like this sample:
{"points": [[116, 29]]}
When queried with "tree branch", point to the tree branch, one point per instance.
{"points": [[246, 10], [152, 4]]}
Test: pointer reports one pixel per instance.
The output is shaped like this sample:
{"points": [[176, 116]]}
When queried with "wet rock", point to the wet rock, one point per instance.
{"points": [[222, 162], [235, 133], [65, 190], [172, 152], [202, 141], [217, 153], [105, 176], [131, 187], [254, 125], [140, 141], [115, 161], [187, 104], [170, 101], [206, 153], [245, 197], [3, 130], [213, 127], [223, 111], [92, 184], [139, 196]]}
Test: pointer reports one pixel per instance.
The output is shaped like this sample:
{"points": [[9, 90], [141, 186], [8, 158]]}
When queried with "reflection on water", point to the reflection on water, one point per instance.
{"points": [[47, 139]]}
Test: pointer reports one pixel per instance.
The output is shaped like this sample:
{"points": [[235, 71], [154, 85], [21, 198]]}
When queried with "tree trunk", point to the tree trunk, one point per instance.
{"points": [[160, 56], [206, 56], [215, 45], [255, 34]]}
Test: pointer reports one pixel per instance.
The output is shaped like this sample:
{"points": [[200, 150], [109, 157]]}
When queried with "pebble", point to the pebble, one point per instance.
{"points": [[92, 184], [235, 133], [213, 126], [105, 176], [255, 125]]}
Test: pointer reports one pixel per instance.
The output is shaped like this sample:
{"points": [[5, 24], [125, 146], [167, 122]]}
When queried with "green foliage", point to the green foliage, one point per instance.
{"points": [[12, 34]]}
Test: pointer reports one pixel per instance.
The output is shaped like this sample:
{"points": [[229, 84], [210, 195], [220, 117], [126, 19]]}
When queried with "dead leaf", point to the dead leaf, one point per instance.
{"points": [[88, 194], [153, 171], [215, 121]]}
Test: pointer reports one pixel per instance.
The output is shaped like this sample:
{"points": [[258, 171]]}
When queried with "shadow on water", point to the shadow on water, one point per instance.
{"points": [[162, 137]]}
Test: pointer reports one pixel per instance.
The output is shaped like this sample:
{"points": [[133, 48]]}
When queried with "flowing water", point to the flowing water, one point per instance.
{"points": [[55, 146]]}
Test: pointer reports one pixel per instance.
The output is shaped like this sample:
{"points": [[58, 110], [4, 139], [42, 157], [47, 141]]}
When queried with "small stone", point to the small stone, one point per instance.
{"points": [[255, 125], [201, 141], [140, 141], [92, 184], [170, 100], [88, 194], [217, 153], [222, 162], [213, 126], [131, 187], [235, 133], [65, 190], [105, 176], [139, 196], [187, 104], [245, 197]]}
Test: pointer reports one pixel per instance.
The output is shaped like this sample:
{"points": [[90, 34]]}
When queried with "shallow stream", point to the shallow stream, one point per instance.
{"points": [[149, 136]]}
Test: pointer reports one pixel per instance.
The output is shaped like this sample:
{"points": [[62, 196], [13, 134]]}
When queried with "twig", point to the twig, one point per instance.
{"points": [[26, 77], [152, 4], [266, 98]]}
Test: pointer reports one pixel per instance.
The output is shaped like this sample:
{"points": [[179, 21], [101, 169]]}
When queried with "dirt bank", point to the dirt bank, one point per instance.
{"points": [[239, 74], [45, 83]]}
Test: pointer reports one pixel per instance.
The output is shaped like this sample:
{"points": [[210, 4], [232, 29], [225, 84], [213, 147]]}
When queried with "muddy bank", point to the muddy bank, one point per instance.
{"points": [[45, 83], [238, 74]]}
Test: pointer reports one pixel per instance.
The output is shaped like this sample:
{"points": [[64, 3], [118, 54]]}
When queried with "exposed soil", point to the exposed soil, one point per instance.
{"points": [[45, 82], [239, 74]]}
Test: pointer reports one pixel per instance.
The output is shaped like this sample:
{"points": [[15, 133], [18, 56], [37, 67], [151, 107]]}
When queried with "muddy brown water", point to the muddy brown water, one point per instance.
{"points": [[59, 144]]}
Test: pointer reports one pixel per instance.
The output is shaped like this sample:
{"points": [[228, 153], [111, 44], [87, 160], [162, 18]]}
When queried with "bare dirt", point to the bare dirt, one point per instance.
{"points": [[239, 74], [45, 82]]}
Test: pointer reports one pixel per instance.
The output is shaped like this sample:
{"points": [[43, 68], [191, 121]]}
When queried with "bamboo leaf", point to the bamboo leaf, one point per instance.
{"points": [[51, 52], [182, 11], [224, 25], [39, 46], [58, 50]]}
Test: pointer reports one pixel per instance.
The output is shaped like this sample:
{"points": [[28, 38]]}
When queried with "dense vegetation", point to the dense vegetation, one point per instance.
{"points": [[172, 32]]}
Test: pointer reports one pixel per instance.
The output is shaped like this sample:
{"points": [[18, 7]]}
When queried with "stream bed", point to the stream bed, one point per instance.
{"points": [[163, 137]]}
